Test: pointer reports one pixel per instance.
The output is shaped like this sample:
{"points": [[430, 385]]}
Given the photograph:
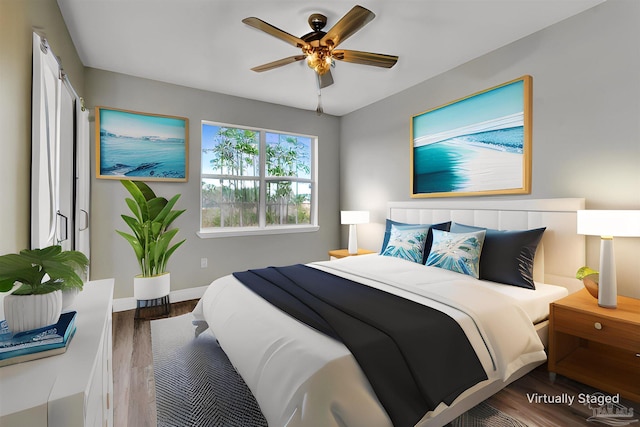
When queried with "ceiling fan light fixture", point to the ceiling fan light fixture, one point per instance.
{"points": [[319, 63], [319, 59]]}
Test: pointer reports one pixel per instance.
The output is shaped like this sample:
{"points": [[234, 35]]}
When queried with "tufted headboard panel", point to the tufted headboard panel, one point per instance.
{"points": [[562, 250]]}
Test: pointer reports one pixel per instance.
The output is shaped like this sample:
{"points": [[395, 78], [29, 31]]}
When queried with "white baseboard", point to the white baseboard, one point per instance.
{"points": [[123, 304]]}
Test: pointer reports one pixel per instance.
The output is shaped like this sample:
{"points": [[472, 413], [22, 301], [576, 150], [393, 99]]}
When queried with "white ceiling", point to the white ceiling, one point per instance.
{"points": [[203, 44]]}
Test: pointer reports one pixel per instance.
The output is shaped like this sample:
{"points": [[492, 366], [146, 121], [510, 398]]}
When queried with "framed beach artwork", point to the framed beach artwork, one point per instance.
{"points": [[141, 146], [477, 145]]}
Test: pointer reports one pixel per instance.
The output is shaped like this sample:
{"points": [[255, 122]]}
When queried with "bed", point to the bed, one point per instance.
{"points": [[301, 377]]}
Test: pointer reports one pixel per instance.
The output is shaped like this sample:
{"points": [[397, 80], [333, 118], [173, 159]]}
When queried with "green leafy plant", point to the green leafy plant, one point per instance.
{"points": [[151, 238], [40, 271]]}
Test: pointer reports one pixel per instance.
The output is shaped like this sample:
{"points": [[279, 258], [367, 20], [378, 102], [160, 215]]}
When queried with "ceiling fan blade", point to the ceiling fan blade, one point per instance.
{"points": [[326, 79], [273, 31], [365, 58], [355, 19], [278, 63]]}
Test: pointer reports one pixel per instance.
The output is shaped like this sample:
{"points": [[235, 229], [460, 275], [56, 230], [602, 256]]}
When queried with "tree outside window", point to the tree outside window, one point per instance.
{"points": [[255, 178]]}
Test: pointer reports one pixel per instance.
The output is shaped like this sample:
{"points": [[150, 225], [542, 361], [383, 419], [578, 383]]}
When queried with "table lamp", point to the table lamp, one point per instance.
{"points": [[352, 218], [607, 224]]}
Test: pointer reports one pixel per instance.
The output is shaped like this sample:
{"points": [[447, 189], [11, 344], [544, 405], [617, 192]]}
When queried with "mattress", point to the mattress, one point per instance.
{"points": [[535, 303], [301, 377]]}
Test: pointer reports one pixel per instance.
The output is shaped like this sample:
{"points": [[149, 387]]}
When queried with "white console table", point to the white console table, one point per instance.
{"points": [[72, 389]]}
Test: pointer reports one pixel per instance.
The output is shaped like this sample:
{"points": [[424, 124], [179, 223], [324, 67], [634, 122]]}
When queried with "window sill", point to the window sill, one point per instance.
{"points": [[255, 231]]}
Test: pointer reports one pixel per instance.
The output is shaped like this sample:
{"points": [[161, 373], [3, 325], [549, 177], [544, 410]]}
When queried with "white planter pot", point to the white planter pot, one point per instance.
{"points": [[154, 287], [27, 312], [68, 296]]}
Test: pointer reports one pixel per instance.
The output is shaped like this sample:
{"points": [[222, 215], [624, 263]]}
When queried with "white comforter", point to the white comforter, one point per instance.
{"points": [[301, 377]]}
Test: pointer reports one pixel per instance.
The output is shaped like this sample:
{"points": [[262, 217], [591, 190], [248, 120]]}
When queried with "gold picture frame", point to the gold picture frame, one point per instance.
{"points": [[141, 146], [476, 145]]}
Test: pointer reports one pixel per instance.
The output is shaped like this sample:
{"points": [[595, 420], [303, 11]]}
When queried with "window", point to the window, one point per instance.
{"points": [[256, 181]]}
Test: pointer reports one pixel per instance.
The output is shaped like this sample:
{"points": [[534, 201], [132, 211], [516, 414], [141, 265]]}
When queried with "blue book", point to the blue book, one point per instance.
{"points": [[53, 337]]}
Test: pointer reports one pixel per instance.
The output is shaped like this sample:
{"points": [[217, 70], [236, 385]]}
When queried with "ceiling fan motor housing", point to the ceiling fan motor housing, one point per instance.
{"points": [[317, 21]]}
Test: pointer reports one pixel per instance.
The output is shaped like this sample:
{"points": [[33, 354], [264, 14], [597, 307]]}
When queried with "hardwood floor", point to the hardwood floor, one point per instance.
{"points": [[133, 383], [134, 388]]}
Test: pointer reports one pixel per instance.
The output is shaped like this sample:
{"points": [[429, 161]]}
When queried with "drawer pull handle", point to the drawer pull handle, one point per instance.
{"points": [[598, 325]]}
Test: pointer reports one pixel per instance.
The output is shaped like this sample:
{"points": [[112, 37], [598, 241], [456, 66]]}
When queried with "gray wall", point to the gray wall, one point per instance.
{"points": [[111, 255], [586, 124]]}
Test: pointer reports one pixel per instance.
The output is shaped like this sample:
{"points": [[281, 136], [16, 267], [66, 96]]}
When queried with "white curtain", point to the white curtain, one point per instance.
{"points": [[83, 175], [65, 213], [44, 147], [60, 157]]}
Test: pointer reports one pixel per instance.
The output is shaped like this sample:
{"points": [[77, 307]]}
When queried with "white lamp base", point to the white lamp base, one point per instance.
{"points": [[353, 239], [607, 286]]}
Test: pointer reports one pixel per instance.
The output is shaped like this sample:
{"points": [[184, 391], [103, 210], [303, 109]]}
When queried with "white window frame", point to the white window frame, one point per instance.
{"points": [[263, 228]]}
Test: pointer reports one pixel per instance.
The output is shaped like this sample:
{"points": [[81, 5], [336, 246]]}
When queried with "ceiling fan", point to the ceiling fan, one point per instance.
{"points": [[319, 47]]}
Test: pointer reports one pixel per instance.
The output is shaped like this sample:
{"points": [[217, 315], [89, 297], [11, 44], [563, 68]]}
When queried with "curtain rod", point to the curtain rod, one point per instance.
{"points": [[44, 46]]}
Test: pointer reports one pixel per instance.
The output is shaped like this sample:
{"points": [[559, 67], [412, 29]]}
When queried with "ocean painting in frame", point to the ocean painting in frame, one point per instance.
{"points": [[477, 145], [141, 146]]}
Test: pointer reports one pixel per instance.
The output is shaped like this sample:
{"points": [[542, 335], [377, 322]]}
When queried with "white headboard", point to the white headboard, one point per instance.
{"points": [[563, 250]]}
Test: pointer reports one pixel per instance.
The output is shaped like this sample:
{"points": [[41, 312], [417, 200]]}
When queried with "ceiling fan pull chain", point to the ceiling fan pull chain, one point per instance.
{"points": [[319, 109]]}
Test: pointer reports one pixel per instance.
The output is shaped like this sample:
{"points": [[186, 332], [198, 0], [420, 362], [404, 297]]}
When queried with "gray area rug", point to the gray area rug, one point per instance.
{"points": [[196, 385], [484, 415]]}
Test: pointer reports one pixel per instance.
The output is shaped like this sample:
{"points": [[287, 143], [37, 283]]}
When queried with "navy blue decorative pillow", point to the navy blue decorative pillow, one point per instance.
{"points": [[427, 246], [507, 256]]}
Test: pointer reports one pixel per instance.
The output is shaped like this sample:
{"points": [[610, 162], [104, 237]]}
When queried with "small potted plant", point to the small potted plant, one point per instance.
{"points": [[38, 277], [151, 238]]}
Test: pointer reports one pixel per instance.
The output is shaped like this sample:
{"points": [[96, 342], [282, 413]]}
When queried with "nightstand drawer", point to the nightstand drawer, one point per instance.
{"points": [[597, 328]]}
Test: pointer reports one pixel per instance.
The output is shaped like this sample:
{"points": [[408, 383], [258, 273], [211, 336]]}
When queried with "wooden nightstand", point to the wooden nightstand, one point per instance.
{"points": [[595, 345], [341, 253]]}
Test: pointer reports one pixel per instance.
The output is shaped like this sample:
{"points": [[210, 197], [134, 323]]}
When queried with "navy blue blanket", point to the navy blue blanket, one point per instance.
{"points": [[414, 356]]}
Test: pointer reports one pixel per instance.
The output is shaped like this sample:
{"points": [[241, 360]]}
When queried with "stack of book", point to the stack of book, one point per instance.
{"points": [[38, 343]]}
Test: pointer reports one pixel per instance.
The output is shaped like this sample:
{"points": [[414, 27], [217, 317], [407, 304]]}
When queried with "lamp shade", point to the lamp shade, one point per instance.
{"points": [[354, 217], [611, 223]]}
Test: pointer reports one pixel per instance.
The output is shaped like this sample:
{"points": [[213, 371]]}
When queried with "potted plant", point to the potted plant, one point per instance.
{"points": [[37, 278], [151, 238]]}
